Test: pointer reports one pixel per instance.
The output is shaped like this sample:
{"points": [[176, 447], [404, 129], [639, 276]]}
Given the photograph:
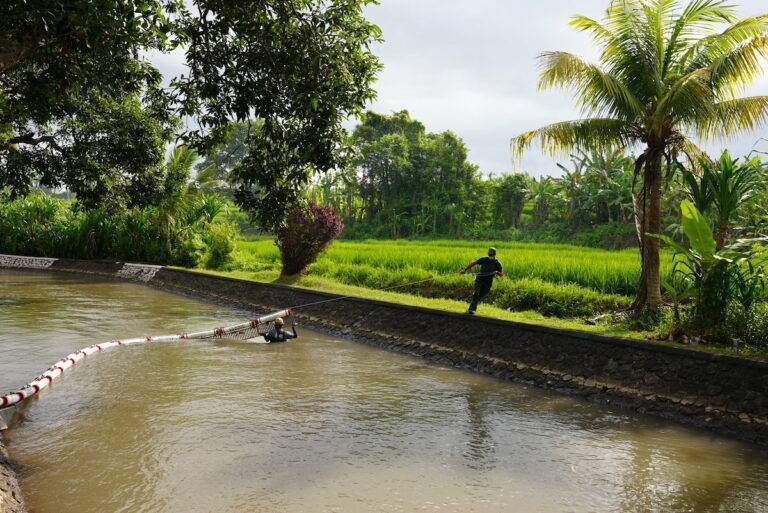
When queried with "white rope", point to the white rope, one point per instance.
{"points": [[69, 361]]}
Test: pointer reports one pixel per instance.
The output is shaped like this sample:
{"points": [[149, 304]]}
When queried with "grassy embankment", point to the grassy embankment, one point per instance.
{"points": [[554, 285]]}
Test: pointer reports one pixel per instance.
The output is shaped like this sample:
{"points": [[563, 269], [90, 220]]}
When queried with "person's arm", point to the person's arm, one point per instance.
{"points": [[295, 335], [500, 272], [467, 268], [269, 337]]}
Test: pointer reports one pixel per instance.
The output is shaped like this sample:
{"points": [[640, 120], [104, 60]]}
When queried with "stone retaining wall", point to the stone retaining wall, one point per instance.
{"points": [[722, 393], [11, 500]]}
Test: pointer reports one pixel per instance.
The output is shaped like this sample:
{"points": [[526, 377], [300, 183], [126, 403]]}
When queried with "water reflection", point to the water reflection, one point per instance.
{"points": [[321, 425]]}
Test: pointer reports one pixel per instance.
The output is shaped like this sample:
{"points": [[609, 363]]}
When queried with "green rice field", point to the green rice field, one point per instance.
{"points": [[553, 280]]}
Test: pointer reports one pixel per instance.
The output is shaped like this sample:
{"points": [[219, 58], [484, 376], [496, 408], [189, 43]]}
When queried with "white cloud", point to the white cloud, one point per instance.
{"points": [[470, 67]]}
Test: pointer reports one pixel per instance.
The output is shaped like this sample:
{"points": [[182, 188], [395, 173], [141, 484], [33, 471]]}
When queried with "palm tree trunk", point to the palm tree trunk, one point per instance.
{"points": [[649, 291]]}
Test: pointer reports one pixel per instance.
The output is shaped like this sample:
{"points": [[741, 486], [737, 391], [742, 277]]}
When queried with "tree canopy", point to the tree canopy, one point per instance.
{"points": [[298, 66], [667, 69], [409, 179]]}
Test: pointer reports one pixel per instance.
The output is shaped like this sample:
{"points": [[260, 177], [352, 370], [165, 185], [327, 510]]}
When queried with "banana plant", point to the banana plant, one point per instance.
{"points": [[710, 271]]}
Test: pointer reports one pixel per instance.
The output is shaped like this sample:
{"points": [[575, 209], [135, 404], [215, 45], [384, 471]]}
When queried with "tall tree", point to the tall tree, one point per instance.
{"points": [[77, 106], [666, 69], [300, 66], [510, 192], [412, 180]]}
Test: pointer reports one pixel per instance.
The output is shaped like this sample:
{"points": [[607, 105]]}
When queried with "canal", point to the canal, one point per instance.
{"points": [[319, 424]]}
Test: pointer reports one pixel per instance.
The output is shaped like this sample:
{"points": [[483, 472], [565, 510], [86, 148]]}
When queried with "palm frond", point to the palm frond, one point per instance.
{"points": [[698, 17], [206, 174], [735, 116], [600, 33], [706, 50], [658, 16], [630, 55], [734, 71], [690, 96], [181, 159], [599, 92], [559, 138], [691, 150]]}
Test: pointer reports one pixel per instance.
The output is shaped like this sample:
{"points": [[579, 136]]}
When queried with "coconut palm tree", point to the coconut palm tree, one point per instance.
{"points": [[667, 71]]}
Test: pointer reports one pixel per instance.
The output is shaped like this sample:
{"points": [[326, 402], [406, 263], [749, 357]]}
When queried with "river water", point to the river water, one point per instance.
{"points": [[319, 424]]}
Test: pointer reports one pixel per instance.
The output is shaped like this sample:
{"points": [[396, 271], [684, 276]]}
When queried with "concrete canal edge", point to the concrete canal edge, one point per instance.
{"points": [[724, 394]]}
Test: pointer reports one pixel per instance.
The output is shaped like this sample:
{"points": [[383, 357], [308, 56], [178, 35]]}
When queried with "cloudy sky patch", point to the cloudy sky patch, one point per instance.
{"points": [[470, 67]]}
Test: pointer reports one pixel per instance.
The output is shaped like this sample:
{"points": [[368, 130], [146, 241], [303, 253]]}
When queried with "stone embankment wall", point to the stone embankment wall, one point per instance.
{"points": [[11, 500], [726, 394]]}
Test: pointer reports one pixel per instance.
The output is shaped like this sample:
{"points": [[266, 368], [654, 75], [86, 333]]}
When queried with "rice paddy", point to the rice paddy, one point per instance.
{"points": [[550, 279]]}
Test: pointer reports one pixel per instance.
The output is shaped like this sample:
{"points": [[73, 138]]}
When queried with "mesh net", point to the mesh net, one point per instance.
{"points": [[244, 331]]}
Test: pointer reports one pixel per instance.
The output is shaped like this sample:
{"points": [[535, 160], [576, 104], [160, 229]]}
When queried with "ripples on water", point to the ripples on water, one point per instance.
{"points": [[319, 424]]}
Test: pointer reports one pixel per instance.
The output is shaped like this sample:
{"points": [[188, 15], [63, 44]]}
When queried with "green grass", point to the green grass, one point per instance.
{"points": [[529, 317], [554, 280], [611, 272], [550, 285]]}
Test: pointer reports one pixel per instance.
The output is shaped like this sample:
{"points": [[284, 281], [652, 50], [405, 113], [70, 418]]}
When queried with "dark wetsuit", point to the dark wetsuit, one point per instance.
{"points": [[488, 269], [279, 335]]}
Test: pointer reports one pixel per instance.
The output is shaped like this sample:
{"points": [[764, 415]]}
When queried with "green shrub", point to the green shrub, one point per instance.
{"points": [[220, 238], [751, 326], [40, 225]]}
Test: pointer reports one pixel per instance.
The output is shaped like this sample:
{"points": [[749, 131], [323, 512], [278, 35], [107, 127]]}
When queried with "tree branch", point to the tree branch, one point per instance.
{"points": [[31, 140]]}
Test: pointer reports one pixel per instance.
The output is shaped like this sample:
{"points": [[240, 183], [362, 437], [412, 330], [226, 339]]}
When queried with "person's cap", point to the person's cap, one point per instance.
{"points": [[491, 251], [279, 321]]}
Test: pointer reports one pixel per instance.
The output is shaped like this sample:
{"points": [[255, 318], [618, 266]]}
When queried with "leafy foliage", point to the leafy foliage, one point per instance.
{"points": [[714, 276], [68, 69], [406, 182], [510, 192], [77, 107], [40, 225], [220, 238], [666, 69], [306, 234], [301, 68], [410, 181]]}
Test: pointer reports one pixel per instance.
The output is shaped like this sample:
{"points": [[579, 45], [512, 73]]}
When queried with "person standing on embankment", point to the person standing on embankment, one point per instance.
{"points": [[490, 267]]}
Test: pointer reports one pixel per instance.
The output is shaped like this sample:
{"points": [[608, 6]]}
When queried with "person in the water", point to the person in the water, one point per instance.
{"points": [[490, 267], [278, 334]]}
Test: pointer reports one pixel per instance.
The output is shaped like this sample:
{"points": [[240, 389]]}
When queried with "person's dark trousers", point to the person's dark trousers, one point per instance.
{"points": [[482, 288]]}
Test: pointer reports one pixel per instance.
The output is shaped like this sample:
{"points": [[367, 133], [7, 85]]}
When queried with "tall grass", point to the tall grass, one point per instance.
{"points": [[40, 225], [611, 272], [553, 279]]}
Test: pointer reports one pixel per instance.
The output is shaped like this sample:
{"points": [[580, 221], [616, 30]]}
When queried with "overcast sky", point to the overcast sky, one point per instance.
{"points": [[470, 67]]}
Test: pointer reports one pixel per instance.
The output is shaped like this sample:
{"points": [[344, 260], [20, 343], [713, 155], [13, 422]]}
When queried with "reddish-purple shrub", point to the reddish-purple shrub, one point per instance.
{"points": [[306, 233]]}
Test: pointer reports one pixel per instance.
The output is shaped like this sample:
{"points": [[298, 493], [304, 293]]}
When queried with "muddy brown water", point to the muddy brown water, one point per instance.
{"points": [[319, 424]]}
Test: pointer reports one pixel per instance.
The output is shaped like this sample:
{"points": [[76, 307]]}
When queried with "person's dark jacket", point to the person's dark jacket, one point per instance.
{"points": [[280, 335], [489, 267]]}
